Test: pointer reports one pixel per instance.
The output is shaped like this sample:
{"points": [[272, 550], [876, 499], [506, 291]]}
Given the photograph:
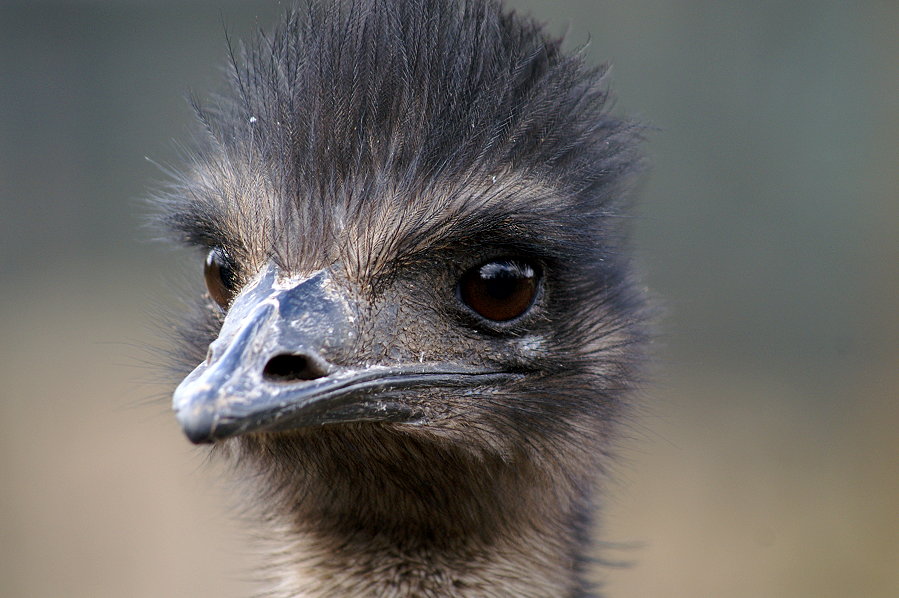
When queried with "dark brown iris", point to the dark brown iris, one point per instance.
{"points": [[500, 291], [221, 279]]}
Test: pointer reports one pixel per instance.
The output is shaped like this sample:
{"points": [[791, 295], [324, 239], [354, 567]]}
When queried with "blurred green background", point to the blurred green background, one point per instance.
{"points": [[763, 462]]}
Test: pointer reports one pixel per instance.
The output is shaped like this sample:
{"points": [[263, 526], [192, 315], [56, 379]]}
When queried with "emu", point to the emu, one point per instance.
{"points": [[420, 327]]}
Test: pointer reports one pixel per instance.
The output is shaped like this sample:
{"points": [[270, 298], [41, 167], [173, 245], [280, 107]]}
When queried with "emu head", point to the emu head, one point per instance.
{"points": [[410, 215]]}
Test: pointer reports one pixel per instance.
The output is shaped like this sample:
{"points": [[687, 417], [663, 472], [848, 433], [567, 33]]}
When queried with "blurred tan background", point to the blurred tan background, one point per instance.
{"points": [[763, 463]]}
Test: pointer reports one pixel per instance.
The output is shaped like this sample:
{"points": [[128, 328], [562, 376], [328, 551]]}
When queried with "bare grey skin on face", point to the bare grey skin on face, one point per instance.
{"points": [[420, 328]]}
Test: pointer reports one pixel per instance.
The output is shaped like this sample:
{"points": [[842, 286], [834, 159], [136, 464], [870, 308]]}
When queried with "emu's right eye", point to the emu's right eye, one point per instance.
{"points": [[500, 291], [221, 279]]}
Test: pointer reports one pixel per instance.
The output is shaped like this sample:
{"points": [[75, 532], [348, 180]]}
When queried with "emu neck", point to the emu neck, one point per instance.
{"points": [[360, 514]]}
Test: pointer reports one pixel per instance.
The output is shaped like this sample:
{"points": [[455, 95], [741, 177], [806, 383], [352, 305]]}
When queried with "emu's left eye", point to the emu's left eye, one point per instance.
{"points": [[500, 290], [221, 279]]}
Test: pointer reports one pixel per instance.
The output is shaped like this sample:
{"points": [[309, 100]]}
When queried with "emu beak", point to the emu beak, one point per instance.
{"points": [[269, 369]]}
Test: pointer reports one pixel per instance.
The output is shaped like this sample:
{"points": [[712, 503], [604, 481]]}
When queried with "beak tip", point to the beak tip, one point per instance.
{"points": [[198, 437], [193, 403], [197, 424]]}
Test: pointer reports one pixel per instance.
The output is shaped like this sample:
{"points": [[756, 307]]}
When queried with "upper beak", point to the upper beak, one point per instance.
{"points": [[269, 369]]}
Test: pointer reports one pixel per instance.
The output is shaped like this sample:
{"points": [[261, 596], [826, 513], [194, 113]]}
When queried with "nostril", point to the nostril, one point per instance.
{"points": [[289, 367]]}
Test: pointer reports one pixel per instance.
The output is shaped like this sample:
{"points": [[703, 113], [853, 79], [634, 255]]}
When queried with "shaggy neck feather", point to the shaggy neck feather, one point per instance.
{"points": [[414, 519]]}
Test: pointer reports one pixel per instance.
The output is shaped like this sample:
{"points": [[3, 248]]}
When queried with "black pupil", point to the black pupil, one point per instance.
{"points": [[502, 280]]}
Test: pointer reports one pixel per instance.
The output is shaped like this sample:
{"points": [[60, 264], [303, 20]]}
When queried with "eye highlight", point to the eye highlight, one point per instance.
{"points": [[221, 278], [500, 291]]}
